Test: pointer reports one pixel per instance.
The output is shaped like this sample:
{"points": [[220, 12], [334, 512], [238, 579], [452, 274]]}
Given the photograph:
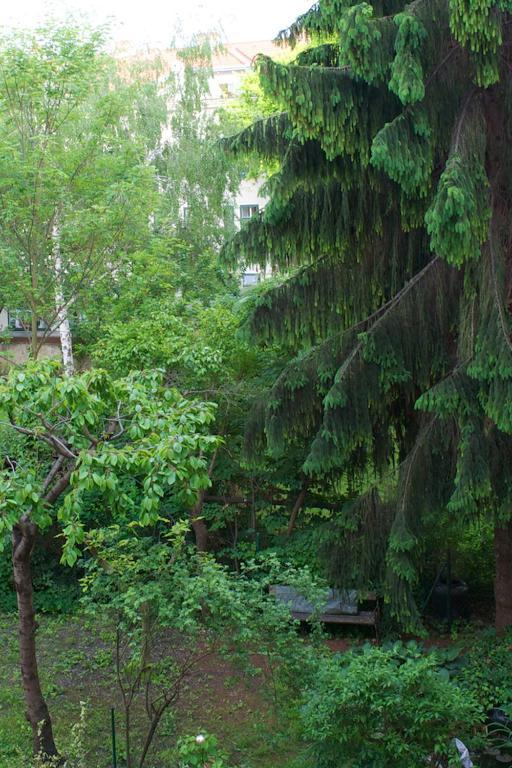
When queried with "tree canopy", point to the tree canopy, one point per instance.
{"points": [[389, 217], [75, 189]]}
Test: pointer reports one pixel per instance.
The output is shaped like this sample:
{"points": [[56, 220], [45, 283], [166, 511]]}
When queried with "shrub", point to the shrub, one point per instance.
{"points": [[375, 709], [487, 673]]}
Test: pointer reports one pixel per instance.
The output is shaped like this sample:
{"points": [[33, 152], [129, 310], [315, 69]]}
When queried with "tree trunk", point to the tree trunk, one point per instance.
{"points": [[34, 348], [503, 576], [63, 326], [301, 498], [198, 524], [23, 538]]}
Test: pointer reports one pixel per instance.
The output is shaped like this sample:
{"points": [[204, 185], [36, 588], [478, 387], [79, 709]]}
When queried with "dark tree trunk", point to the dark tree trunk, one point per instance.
{"points": [[503, 576], [198, 524], [299, 503], [23, 538]]}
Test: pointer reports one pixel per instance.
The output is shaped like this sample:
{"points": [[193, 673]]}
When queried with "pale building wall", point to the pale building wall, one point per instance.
{"points": [[249, 195], [229, 65], [17, 351], [16, 348]]}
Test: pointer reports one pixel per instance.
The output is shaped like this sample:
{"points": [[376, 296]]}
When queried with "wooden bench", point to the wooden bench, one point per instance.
{"points": [[367, 618]]}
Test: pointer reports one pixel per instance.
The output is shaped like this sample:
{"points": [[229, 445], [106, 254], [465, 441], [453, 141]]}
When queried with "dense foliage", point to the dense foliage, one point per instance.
{"points": [[389, 219], [346, 422], [395, 711], [75, 188]]}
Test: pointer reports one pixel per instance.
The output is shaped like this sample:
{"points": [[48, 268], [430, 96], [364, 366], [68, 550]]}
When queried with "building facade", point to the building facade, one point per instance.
{"points": [[228, 69], [15, 339], [229, 64]]}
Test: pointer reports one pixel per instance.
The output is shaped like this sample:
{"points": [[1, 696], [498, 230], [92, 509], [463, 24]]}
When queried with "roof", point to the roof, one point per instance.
{"points": [[234, 56], [238, 55]]}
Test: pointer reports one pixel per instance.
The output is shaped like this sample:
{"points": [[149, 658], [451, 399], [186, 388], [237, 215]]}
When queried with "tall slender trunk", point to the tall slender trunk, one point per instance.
{"points": [[500, 245], [63, 326], [503, 576], [299, 503], [23, 539], [127, 735], [196, 521], [198, 524]]}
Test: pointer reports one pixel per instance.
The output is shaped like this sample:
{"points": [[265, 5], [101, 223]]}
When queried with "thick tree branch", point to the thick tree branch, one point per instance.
{"points": [[59, 487], [55, 469]]}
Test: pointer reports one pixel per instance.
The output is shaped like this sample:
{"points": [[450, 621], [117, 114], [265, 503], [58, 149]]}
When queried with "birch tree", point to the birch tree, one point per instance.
{"points": [[75, 192]]}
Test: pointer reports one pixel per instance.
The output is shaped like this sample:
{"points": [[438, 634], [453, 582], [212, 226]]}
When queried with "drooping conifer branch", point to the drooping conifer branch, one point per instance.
{"points": [[404, 150], [478, 27], [328, 104], [313, 222], [328, 379], [268, 137], [334, 293], [398, 140], [382, 372], [458, 219], [326, 55], [356, 541], [416, 497]]}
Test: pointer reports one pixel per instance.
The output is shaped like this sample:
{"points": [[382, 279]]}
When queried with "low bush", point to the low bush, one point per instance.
{"points": [[386, 710], [487, 671]]}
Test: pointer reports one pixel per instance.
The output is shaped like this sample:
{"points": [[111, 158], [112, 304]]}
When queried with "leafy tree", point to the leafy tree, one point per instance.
{"points": [[199, 350], [75, 190], [172, 607], [131, 441], [196, 179], [389, 220], [191, 211]]}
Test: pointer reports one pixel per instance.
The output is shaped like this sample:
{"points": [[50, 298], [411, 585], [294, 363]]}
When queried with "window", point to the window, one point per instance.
{"points": [[249, 279], [226, 90], [20, 321], [248, 211]]}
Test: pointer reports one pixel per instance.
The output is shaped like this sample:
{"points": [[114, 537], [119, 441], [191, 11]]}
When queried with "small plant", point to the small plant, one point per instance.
{"points": [[201, 751], [75, 756], [499, 732], [172, 607]]}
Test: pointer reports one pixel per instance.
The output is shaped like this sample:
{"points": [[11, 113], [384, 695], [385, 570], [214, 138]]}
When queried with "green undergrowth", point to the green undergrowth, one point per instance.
{"points": [[75, 657], [248, 721]]}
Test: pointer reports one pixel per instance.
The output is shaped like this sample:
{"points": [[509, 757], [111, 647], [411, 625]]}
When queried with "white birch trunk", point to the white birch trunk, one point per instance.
{"points": [[61, 307]]}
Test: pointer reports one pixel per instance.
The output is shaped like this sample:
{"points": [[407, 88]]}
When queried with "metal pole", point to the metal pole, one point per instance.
{"points": [[449, 591], [113, 726]]}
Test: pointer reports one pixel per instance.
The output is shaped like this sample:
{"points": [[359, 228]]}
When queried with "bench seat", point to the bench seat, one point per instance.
{"points": [[366, 618]]}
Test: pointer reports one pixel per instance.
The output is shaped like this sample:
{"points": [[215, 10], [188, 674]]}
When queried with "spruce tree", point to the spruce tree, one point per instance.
{"points": [[390, 217]]}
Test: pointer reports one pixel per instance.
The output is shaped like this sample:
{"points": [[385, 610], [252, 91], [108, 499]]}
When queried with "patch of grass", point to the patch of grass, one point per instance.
{"points": [[75, 655]]}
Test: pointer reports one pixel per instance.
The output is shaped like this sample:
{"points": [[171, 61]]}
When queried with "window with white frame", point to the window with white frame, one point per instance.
{"points": [[250, 278], [248, 211]]}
